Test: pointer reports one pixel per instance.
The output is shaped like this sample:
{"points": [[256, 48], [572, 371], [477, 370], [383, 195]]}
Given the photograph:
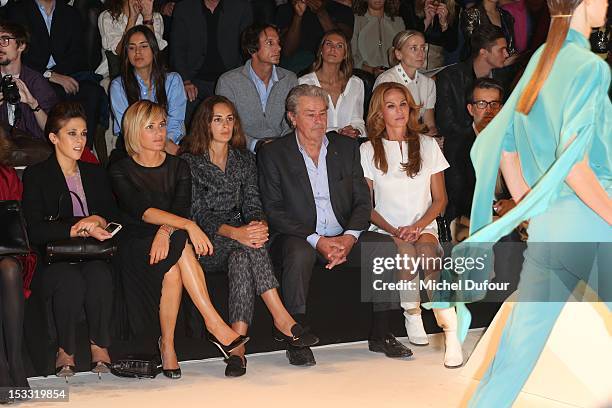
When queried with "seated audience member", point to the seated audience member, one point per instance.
{"points": [[259, 88], [56, 50], [522, 22], [227, 207], [333, 71], [12, 370], [303, 23], [119, 17], [454, 83], [439, 21], [35, 93], [318, 208], [51, 189], [408, 56], [487, 13], [157, 259], [404, 170], [376, 23], [205, 43], [143, 76]]}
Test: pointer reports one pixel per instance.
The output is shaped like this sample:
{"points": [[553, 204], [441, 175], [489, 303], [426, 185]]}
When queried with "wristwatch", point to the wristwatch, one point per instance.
{"points": [[47, 74]]}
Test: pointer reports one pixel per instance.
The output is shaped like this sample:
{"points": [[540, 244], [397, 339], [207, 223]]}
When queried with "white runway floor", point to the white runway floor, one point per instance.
{"points": [[346, 375]]}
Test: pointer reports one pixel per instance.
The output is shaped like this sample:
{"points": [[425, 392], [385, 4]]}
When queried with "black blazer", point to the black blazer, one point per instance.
{"points": [[43, 185], [188, 35], [286, 193], [65, 42]]}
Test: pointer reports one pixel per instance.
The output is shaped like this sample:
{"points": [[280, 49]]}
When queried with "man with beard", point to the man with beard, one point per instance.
{"points": [[36, 95], [259, 88]]}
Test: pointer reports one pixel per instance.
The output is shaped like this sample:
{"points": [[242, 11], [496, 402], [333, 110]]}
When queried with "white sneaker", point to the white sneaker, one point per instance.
{"points": [[453, 354], [415, 330]]}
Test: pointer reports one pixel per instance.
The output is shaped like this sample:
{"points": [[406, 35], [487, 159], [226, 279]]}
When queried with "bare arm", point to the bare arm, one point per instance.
{"points": [[583, 181], [438, 201], [430, 121], [513, 175], [156, 216], [378, 219]]}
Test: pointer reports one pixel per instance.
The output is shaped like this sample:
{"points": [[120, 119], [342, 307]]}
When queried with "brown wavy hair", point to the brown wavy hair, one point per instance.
{"points": [[5, 148], [360, 7], [200, 134], [559, 27], [346, 66], [377, 129]]}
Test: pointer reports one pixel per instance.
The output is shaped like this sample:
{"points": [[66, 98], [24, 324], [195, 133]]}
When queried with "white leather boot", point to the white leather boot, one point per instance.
{"points": [[447, 320], [414, 325]]}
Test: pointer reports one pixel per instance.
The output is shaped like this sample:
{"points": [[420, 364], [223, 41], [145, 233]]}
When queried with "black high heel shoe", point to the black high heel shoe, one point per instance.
{"points": [[301, 337], [226, 350], [174, 373]]}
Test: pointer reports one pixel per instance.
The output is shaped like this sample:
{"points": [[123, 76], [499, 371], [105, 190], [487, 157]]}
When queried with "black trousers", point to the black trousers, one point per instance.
{"points": [[297, 258], [70, 287], [205, 89], [91, 96]]}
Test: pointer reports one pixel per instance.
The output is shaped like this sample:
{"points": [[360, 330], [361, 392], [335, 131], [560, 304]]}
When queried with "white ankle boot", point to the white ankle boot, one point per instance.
{"points": [[453, 354], [415, 330]]}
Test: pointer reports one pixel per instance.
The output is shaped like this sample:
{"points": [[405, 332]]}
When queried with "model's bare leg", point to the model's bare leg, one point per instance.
{"points": [[172, 290], [282, 319], [195, 284]]}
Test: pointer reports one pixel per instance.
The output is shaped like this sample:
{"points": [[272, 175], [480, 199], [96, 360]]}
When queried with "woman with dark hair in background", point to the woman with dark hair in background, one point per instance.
{"points": [[158, 261], [439, 21], [227, 207], [333, 71], [51, 188], [118, 18], [487, 12], [12, 371], [143, 76], [376, 23]]}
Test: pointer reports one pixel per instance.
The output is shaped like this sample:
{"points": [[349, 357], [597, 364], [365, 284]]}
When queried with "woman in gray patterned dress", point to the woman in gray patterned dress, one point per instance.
{"points": [[227, 207]]}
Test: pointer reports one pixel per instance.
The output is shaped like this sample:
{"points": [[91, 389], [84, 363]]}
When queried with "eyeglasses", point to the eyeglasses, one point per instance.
{"points": [[4, 41], [415, 48], [483, 104]]}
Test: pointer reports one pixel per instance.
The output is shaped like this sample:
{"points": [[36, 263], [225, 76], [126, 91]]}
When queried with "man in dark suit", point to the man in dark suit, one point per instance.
{"points": [[205, 43], [56, 51], [318, 207]]}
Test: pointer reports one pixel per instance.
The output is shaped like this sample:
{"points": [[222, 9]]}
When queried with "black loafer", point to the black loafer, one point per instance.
{"points": [[236, 366], [300, 336], [390, 346], [300, 356]]}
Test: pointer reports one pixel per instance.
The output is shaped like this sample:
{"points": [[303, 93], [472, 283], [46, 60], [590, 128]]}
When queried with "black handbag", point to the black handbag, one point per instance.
{"points": [[78, 249], [136, 368], [14, 237]]}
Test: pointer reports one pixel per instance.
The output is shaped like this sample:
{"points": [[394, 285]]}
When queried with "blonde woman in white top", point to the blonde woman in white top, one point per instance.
{"points": [[408, 55], [119, 17], [405, 173], [333, 71], [376, 23]]}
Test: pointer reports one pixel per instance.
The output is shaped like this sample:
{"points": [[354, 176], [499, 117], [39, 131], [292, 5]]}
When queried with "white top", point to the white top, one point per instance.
{"points": [[372, 38], [348, 109], [402, 200], [111, 32], [422, 88]]}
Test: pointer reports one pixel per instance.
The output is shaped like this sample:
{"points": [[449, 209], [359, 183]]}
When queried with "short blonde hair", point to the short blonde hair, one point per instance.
{"points": [[134, 120]]}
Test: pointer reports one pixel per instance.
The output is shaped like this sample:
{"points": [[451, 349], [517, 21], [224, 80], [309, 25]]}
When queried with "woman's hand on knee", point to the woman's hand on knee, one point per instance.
{"points": [[409, 233], [199, 240], [160, 247]]}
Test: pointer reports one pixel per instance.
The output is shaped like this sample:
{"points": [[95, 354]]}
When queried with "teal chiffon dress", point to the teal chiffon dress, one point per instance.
{"points": [[568, 242]]}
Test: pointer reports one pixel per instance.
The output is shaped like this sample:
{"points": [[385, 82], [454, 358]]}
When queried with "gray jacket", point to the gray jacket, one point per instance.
{"points": [[237, 86]]}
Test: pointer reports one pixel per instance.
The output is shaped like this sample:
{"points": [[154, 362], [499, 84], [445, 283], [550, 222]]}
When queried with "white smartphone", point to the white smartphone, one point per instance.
{"points": [[113, 228]]}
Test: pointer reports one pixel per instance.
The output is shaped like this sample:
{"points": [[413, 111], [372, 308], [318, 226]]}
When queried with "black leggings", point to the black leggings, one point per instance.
{"points": [[12, 372], [72, 286]]}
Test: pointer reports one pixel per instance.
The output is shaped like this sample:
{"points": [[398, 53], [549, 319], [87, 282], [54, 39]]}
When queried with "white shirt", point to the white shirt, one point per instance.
{"points": [[111, 32], [348, 109], [402, 200], [422, 88]]}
